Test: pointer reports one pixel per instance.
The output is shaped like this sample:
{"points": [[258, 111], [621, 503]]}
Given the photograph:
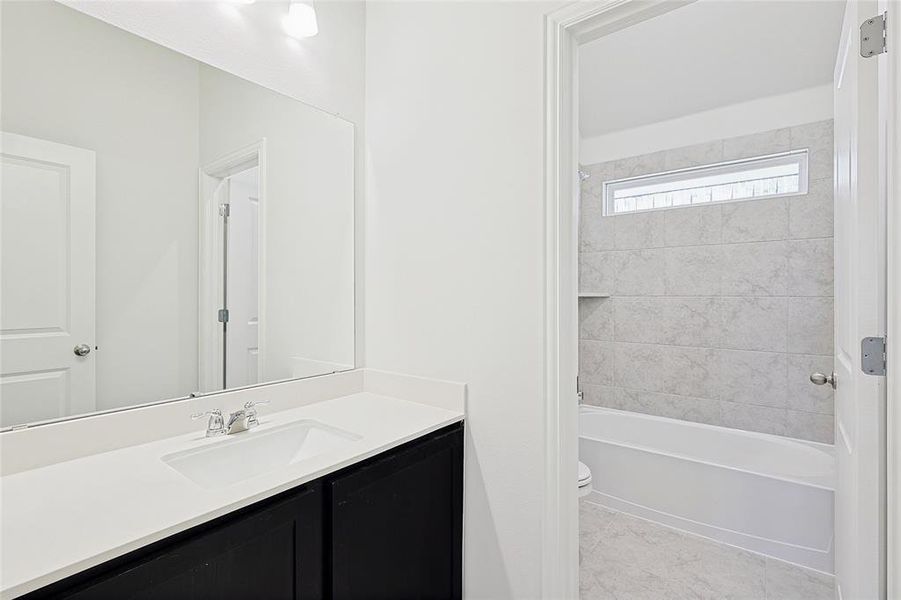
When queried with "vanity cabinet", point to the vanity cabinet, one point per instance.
{"points": [[272, 551], [388, 527], [397, 524]]}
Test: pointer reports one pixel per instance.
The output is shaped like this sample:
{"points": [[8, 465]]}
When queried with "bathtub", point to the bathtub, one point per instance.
{"points": [[768, 494]]}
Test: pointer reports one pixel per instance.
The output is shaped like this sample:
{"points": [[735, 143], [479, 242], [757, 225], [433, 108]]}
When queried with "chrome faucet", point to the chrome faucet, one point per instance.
{"points": [[238, 421], [244, 419], [215, 426]]}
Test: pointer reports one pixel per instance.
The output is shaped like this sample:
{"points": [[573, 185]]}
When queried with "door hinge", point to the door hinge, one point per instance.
{"points": [[872, 355], [873, 36], [225, 210], [223, 315]]}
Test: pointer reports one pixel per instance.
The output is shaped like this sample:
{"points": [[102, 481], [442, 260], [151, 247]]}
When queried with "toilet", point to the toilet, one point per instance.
{"points": [[584, 480]]}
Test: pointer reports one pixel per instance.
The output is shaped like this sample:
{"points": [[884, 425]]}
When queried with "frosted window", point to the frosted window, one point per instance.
{"points": [[782, 174]]}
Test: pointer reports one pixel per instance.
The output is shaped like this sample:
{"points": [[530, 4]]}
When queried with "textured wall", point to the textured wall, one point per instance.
{"points": [[718, 313]]}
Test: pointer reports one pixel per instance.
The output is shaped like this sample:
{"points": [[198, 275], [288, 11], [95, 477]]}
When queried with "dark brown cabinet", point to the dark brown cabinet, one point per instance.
{"points": [[389, 527]]}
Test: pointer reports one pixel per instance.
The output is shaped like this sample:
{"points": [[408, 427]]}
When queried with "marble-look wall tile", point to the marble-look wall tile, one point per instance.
{"points": [[639, 367], [595, 231], [596, 319], [803, 395], [755, 269], [765, 419], [693, 270], [755, 220], [809, 426], [709, 298], [694, 156], [687, 408], [595, 362], [818, 139], [758, 378], [691, 322], [810, 267], [810, 322], [639, 230], [639, 272], [639, 319], [755, 323], [693, 226], [597, 271], [597, 395], [811, 215], [592, 189], [634, 166], [688, 371], [758, 144]]}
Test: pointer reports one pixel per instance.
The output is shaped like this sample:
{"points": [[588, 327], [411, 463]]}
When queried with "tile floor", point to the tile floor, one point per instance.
{"points": [[626, 558]]}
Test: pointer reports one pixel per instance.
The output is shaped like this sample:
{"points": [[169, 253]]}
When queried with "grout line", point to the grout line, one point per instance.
{"points": [[781, 352], [709, 399], [721, 243]]}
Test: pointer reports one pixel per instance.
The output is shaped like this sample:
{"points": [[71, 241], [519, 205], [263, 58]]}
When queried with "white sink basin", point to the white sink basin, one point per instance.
{"points": [[251, 453]]}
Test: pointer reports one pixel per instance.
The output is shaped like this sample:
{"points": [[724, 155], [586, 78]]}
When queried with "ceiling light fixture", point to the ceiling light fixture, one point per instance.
{"points": [[300, 22]]}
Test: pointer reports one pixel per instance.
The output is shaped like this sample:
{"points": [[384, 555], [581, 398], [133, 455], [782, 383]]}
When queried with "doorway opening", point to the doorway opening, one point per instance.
{"points": [[695, 297], [231, 267]]}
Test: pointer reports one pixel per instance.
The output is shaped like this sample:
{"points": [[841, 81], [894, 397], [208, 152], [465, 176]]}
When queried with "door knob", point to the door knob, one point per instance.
{"points": [[82, 350], [820, 379]]}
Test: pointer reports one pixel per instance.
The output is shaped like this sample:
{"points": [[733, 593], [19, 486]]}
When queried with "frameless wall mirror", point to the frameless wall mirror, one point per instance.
{"points": [[167, 228]]}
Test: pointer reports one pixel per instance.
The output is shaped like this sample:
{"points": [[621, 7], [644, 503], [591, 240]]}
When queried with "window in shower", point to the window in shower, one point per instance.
{"points": [[783, 174]]}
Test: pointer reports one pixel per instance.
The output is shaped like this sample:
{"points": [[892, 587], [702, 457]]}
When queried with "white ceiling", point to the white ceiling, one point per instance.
{"points": [[705, 55]]}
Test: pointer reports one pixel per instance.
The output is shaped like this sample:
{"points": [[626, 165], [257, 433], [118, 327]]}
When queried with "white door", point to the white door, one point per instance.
{"points": [[242, 346], [859, 312], [46, 280]]}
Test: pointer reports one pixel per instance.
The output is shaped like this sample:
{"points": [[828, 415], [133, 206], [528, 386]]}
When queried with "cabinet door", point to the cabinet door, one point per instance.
{"points": [[274, 552], [397, 523]]}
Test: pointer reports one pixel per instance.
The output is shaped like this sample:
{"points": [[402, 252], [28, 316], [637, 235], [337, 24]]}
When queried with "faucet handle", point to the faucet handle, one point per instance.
{"points": [[216, 424], [250, 412]]}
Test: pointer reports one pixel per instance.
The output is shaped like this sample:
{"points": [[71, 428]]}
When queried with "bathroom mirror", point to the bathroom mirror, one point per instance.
{"points": [[168, 228]]}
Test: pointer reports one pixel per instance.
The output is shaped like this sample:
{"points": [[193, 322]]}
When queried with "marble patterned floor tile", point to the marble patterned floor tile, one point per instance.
{"points": [[627, 558], [593, 520], [785, 581]]}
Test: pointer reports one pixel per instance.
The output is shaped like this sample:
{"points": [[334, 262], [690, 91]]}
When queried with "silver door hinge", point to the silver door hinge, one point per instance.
{"points": [[223, 315], [873, 36], [225, 210], [872, 355]]}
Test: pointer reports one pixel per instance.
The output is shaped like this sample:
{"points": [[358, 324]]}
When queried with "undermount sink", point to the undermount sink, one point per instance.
{"points": [[255, 452]]}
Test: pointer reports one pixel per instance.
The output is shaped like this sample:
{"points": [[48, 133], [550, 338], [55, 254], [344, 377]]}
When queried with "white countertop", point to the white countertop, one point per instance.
{"points": [[63, 518]]}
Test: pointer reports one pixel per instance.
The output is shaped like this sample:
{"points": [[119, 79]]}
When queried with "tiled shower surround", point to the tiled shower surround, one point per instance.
{"points": [[717, 313]]}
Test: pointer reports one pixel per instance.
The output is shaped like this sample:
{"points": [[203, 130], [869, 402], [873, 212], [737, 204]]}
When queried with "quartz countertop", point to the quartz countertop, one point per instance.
{"points": [[63, 518]]}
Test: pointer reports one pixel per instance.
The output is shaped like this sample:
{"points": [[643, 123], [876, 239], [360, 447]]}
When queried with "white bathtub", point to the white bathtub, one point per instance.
{"points": [[764, 493]]}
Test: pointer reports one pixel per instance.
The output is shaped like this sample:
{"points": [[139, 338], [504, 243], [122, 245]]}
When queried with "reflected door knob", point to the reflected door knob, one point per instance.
{"points": [[820, 379], [82, 350]]}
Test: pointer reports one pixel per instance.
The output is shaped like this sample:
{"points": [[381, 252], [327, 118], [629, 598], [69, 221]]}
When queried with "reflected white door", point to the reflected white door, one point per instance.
{"points": [[242, 344], [47, 274], [859, 312]]}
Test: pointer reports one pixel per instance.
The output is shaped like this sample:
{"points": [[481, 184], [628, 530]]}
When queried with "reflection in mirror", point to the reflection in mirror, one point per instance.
{"points": [[167, 228]]}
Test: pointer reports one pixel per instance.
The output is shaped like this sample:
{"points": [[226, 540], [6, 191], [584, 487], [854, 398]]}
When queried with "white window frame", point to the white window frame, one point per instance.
{"points": [[799, 157]]}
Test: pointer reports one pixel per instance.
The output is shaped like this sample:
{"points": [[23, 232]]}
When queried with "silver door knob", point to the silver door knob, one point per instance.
{"points": [[82, 350], [820, 379]]}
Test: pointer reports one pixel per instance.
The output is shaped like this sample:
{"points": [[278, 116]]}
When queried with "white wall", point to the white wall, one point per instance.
{"points": [[455, 229], [325, 71], [308, 213], [146, 192], [745, 118]]}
